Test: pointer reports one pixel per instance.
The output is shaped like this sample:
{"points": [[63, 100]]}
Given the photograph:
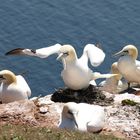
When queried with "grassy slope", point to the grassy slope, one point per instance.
{"points": [[13, 132]]}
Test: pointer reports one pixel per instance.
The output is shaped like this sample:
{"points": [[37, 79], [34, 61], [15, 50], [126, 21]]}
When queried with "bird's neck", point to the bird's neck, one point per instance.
{"points": [[11, 79], [84, 57], [72, 57], [134, 54], [69, 64], [70, 60]]}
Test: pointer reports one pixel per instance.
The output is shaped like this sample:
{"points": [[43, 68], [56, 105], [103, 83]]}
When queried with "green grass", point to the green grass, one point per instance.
{"points": [[17, 132]]}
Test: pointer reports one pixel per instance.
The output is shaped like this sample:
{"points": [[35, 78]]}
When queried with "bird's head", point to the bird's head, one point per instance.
{"points": [[68, 53], [130, 50], [70, 111], [7, 76]]}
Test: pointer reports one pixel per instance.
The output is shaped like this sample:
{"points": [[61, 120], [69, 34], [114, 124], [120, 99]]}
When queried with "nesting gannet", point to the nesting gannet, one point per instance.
{"points": [[76, 73], [128, 66], [113, 84], [12, 87], [82, 116]]}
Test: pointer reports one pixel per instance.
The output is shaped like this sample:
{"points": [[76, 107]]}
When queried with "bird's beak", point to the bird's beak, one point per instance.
{"points": [[75, 120], [62, 55], [76, 123], [120, 53]]}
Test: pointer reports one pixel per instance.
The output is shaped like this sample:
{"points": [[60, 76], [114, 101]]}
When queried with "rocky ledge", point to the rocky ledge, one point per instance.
{"points": [[122, 113]]}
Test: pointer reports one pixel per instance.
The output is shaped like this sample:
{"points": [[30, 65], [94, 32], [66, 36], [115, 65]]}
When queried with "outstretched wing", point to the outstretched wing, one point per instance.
{"points": [[42, 52], [95, 54]]}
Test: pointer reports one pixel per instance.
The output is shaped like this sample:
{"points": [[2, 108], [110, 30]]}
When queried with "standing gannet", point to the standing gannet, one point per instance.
{"points": [[128, 66], [113, 84], [82, 116], [12, 87], [76, 73]]}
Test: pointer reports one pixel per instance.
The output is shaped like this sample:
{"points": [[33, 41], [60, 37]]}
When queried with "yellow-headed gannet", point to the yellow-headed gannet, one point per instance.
{"points": [[76, 73], [113, 84], [82, 116], [128, 66], [12, 87]]}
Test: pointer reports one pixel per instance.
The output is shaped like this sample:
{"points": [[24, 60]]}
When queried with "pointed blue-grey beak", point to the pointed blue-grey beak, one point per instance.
{"points": [[75, 120], [62, 55], [120, 53]]}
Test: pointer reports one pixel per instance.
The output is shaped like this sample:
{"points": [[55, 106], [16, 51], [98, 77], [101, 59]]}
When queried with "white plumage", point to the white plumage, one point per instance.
{"points": [[76, 73], [82, 116], [128, 66], [113, 84], [12, 87]]}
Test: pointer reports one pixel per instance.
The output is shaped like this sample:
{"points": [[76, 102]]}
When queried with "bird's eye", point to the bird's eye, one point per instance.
{"points": [[125, 51], [1, 77], [66, 53]]}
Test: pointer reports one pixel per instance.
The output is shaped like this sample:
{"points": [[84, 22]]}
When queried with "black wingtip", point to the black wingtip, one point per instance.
{"points": [[8, 53], [15, 51]]}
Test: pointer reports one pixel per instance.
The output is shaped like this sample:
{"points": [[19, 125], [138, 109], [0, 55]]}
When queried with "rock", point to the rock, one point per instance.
{"points": [[45, 100], [125, 119], [18, 112], [28, 112], [47, 112], [42, 112]]}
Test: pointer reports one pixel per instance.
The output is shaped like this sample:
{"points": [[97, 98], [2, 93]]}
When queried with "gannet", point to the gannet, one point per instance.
{"points": [[12, 87], [82, 117], [113, 84], [76, 73], [128, 66]]}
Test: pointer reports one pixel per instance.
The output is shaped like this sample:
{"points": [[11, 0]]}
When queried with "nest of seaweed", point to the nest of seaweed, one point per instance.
{"points": [[91, 95]]}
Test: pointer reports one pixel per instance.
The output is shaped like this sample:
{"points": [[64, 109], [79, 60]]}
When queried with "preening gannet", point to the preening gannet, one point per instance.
{"points": [[113, 84], [128, 66], [82, 116], [76, 73], [12, 87]]}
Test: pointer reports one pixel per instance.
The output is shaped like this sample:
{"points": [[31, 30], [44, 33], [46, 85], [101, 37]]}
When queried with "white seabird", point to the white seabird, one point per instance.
{"points": [[82, 117], [113, 84], [76, 73], [12, 87], [128, 66]]}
